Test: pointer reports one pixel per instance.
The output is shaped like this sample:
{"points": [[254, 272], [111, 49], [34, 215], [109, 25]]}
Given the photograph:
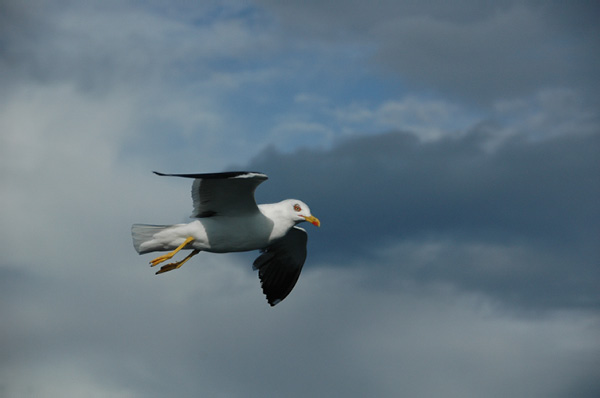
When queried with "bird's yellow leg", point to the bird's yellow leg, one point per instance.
{"points": [[172, 266], [170, 255]]}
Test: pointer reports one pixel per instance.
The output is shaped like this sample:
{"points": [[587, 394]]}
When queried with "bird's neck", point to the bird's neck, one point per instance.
{"points": [[281, 222]]}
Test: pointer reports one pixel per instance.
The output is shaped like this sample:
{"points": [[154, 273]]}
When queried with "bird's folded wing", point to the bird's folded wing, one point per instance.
{"points": [[230, 193], [280, 264]]}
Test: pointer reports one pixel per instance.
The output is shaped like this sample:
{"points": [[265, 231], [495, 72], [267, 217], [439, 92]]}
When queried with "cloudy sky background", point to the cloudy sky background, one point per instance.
{"points": [[450, 151]]}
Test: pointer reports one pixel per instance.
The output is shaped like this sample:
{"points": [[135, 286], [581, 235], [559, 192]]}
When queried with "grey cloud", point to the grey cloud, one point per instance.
{"points": [[120, 43], [519, 221], [451, 268], [134, 336], [409, 310], [508, 54], [476, 51], [479, 52]]}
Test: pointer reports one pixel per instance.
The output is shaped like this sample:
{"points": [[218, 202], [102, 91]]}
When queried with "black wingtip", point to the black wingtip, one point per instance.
{"points": [[223, 175], [273, 303]]}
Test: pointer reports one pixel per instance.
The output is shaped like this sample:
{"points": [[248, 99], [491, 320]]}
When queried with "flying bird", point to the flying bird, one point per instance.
{"points": [[227, 219]]}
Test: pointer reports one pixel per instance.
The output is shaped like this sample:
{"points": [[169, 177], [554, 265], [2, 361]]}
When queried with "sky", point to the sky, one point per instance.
{"points": [[451, 151]]}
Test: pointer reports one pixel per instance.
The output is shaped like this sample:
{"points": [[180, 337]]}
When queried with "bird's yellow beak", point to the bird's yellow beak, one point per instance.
{"points": [[313, 220]]}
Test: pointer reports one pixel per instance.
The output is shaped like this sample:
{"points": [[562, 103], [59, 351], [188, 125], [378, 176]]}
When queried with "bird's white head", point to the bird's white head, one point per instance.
{"points": [[299, 212]]}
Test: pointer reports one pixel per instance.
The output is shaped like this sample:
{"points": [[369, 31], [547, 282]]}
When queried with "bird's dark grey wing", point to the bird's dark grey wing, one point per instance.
{"points": [[230, 193], [280, 264]]}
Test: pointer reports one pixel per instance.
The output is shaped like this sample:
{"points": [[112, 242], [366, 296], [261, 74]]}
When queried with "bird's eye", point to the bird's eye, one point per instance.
{"points": [[297, 207]]}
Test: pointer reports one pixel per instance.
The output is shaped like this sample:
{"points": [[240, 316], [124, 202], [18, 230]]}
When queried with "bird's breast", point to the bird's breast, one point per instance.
{"points": [[235, 234]]}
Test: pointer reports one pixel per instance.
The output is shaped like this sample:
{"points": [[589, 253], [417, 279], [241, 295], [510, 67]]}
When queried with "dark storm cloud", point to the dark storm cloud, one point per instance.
{"points": [[478, 51], [520, 220]]}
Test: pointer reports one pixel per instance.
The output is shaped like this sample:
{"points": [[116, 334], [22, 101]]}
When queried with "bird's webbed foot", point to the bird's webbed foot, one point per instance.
{"points": [[170, 255], [175, 265]]}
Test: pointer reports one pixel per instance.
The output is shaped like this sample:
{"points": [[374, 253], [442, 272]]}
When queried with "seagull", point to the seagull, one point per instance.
{"points": [[227, 219]]}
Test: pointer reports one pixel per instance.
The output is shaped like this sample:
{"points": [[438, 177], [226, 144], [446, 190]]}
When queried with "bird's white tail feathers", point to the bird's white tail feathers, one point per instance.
{"points": [[144, 233]]}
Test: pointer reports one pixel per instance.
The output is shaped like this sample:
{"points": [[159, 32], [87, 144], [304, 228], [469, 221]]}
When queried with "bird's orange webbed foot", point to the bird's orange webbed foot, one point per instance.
{"points": [[175, 265], [160, 259], [170, 255]]}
